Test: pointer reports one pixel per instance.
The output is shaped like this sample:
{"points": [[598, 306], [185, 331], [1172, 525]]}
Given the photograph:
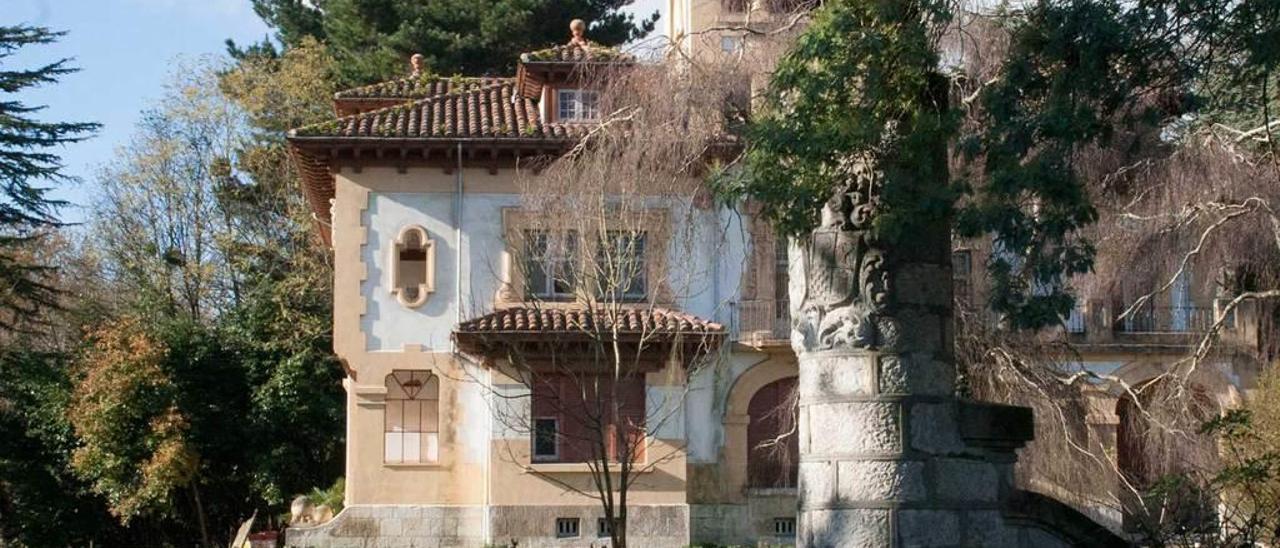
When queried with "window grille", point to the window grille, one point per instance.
{"points": [[566, 527], [961, 275], [784, 527], [604, 527]]}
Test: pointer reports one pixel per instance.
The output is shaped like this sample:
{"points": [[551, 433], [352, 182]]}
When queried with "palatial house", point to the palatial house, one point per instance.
{"points": [[414, 186]]}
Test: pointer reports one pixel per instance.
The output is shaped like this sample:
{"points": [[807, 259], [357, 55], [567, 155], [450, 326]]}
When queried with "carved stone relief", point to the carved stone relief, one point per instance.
{"points": [[839, 274]]}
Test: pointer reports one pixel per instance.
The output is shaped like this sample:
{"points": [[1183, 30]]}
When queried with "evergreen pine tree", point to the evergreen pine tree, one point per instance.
{"points": [[373, 39], [28, 168]]}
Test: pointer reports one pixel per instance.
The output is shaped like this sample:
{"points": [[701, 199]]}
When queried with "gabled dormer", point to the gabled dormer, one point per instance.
{"points": [[564, 80]]}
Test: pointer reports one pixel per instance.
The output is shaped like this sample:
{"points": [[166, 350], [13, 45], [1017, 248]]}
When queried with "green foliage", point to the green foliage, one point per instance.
{"points": [[36, 486], [858, 87], [332, 497], [135, 447], [213, 391], [373, 39], [1249, 480], [26, 160]]}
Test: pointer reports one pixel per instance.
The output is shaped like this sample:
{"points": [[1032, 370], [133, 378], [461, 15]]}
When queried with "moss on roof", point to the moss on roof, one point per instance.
{"points": [[573, 54], [418, 87]]}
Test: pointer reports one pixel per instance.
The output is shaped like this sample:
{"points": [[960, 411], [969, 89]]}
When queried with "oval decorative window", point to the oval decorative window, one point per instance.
{"points": [[413, 261]]}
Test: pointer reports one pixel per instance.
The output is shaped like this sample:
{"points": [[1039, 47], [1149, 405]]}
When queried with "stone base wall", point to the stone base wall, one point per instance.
{"points": [[408, 526], [750, 524], [658, 526], [395, 526]]}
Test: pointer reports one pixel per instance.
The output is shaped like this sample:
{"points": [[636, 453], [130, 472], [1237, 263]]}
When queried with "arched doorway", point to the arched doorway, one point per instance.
{"points": [[773, 445], [1161, 454]]}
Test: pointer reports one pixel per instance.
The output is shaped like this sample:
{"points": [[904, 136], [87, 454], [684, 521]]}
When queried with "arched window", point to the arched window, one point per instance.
{"points": [[413, 259], [412, 424], [773, 445]]}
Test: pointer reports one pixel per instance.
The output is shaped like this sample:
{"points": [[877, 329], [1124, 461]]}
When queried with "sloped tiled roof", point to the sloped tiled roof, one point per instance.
{"points": [[576, 320], [570, 53], [492, 111], [417, 88]]}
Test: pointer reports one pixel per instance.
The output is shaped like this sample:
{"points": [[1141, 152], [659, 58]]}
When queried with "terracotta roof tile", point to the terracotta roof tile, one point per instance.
{"points": [[645, 321], [493, 111], [575, 54], [416, 88]]}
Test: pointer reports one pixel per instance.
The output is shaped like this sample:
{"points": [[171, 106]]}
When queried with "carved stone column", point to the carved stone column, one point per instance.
{"points": [[882, 460]]}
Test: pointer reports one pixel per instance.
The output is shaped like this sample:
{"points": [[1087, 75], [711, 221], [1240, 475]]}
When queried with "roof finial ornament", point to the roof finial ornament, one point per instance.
{"points": [[578, 32], [415, 63]]}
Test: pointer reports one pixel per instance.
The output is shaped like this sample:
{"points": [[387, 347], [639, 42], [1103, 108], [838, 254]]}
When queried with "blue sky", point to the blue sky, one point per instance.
{"points": [[125, 50]]}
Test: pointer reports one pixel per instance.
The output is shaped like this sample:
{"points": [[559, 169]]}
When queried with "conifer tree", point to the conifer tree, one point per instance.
{"points": [[373, 39], [28, 168]]}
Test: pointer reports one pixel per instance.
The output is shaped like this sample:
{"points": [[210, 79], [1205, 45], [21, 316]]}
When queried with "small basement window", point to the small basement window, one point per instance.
{"points": [[546, 439], [413, 258], [604, 527], [784, 527], [566, 527]]}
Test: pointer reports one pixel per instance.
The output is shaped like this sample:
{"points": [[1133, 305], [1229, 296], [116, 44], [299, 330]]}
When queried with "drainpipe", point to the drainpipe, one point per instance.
{"points": [[457, 241], [457, 284]]}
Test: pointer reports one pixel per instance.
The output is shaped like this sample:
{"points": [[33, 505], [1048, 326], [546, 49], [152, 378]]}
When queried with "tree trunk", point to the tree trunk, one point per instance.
{"points": [[200, 518]]}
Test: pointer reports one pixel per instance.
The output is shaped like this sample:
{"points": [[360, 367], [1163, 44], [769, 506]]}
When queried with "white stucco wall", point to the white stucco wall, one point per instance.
{"points": [[705, 404], [707, 254], [390, 325]]}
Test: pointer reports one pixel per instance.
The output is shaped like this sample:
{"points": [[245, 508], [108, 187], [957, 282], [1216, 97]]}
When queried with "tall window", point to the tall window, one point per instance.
{"points": [[412, 424], [549, 264], [621, 263], [781, 280], [577, 105]]}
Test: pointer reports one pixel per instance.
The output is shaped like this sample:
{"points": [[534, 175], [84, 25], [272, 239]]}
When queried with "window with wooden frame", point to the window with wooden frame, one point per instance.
{"points": [[550, 260], [621, 267], [411, 432], [550, 264], [577, 105], [574, 417], [546, 439], [412, 266]]}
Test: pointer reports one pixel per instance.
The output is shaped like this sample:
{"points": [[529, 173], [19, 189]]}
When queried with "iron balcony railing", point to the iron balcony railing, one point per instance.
{"points": [[1167, 319], [764, 320]]}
